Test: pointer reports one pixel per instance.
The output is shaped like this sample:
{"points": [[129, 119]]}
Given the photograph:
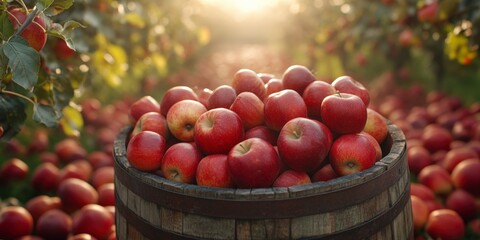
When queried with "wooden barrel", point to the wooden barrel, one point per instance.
{"points": [[373, 204]]}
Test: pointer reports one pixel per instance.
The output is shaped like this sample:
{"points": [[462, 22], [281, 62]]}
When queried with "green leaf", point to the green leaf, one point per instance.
{"points": [[12, 115], [45, 114], [23, 60], [54, 7], [65, 32], [6, 26], [3, 63]]}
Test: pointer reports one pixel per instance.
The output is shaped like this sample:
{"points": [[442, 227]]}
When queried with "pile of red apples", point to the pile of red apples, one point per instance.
{"points": [[257, 132], [443, 139]]}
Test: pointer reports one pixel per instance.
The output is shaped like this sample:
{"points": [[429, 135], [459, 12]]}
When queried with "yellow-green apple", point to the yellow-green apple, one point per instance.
{"points": [[13, 169], [303, 144], [420, 213], [323, 174], [141, 106], [152, 121], [344, 113], [265, 77], [203, 96], [466, 176], [15, 222], [283, 106], [218, 130], [463, 203], [456, 155], [54, 224], [174, 95], [180, 162], [222, 96], [418, 157], [212, 171], [376, 125], [445, 224], [249, 108], [93, 219], [352, 153], [297, 78], [264, 133], [75, 193], [145, 151], [346, 84], [378, 148], [273, 85], [34, 33], [253, 163], [246, 80], [313, 96], [181, 118], [436, 138], [436, 178], [290, 178]]}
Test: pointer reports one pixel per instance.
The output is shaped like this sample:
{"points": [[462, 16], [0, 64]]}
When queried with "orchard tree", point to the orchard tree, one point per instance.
{"points": [[28, 83]]}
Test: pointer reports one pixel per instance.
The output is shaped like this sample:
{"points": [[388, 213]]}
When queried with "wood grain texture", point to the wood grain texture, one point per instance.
{"points": [[367, 205]]}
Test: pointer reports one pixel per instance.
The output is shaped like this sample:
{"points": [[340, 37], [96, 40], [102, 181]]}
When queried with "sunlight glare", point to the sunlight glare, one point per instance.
{"points": [[242, 8]]}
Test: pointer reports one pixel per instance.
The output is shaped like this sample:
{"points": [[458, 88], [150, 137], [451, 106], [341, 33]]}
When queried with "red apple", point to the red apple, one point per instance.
{"points": [[102, 176], [265, 77], [273, 85], [253, 163], [249, 108], [34, 33], [376, 145], [352, 153], [39, 142], [218, 130], [204, 95], [100, 159], [428, 13], [297, 78], [80, 169], [62, 50], [141, 106], [344, 113], [15, 222], [418, 157], [174, 95], [81, 236], [466, 176], [49, 157], [346, 84], [463, 203], [222, 96], [180, 162], [406, 38], [436, 178], [264, 133], [212, 171], [313, 96], [181, 118], [421, 191], [93, 219], [40, 204], [376, 125], [445, 224], [303, 144], [457, 155], [152, 121], [54, 224], [277, 112], [106, 194], [323, 174], [290, 178], [45, 177], [13, 169], [69, 149], [75, 194], [145, 151], [436, 138], [246, 80], [420, 213]]}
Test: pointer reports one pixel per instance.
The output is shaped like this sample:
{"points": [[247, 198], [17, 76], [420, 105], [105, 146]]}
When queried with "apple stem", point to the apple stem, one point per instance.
{"points": [[338, 92]]}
